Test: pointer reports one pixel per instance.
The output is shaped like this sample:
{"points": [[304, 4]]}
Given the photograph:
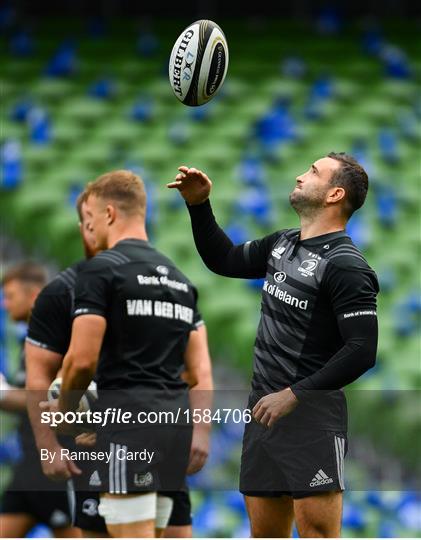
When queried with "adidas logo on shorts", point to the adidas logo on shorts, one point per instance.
{"points": [[320, 478], [95, 480]]}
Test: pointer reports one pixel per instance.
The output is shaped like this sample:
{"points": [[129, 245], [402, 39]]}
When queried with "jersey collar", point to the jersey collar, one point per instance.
{"points": [[323, 238], [134, 241]]}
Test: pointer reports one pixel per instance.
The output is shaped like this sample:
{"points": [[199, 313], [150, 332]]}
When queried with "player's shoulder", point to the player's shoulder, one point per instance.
{"points": [[284, 233], [289, 233], [344, 254], [63, 281], [110, 257], [273, 238], [104, 261]]}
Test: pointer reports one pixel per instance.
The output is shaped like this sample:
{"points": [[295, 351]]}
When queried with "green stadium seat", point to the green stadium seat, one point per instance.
{"points": [[85, 110], [50, 91]]}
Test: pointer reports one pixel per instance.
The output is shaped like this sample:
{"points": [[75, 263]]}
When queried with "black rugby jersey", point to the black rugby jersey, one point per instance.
{"points": [[50, 325], [150, 308], [308, 285], [318, 313]]}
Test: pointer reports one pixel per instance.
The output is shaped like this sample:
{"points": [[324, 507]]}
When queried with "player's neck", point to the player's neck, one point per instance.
{"points": [[136, 231], [319, 225]]}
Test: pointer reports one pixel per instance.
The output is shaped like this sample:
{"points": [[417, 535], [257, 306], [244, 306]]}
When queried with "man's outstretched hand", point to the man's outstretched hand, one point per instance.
{"points": [[194, 185]]}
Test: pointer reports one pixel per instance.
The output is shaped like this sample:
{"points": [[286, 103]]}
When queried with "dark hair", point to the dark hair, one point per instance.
{"points": [[353, 178], [26, 272]]}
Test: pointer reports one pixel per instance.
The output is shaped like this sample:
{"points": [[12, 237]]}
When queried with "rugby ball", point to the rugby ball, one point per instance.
{"points": [[88, 397], [198, 63]]}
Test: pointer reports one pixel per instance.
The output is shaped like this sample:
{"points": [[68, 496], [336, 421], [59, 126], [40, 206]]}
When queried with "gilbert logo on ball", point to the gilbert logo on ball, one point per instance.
{"points": [[198, 63]]}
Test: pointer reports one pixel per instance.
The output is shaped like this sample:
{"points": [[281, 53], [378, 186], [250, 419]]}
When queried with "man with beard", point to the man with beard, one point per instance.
{"points": [[317, 333]]}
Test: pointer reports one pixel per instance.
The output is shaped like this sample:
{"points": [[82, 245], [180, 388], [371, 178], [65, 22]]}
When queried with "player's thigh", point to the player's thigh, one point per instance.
{"points": [[15, 525], [180, 521], [94, 534], [67, 532], [129, 516], [261, 472], [270, 517], [178, 531], [144, 529], [319, 515], [165, 505], [87, 517]]}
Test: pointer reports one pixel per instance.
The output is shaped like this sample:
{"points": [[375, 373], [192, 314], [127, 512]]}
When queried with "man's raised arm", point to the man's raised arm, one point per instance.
{"points": [[217, 251]]}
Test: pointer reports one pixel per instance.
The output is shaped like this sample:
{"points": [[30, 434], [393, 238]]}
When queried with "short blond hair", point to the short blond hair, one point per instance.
{"points": [[123, 187]]}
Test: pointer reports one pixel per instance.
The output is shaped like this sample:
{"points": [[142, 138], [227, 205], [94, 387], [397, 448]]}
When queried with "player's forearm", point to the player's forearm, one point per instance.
{"points": [[198, 360], [356, 357], [77, 374], [205, 380], [44, 435], [216, 249], [201, 396], [12, 399]]}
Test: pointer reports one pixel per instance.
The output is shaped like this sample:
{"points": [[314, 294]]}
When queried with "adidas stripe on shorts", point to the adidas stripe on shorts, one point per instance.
{"points": [[130, 470]]}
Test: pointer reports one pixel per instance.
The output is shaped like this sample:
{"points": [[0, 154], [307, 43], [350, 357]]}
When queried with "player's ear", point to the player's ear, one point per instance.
{"points": [[111, 214], [335, 194]]}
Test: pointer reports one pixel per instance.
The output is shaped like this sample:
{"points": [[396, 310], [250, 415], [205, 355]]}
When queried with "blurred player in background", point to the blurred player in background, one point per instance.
{"points": [[22, 508], [48, 340], [317, 333], [46, 344]]}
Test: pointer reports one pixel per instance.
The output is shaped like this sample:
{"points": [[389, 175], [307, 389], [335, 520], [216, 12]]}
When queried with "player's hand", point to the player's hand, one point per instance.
{"points": [[50, 405], [273, 406], [199, 449], [86, 439], [64, 428], [58, 468], [194, 185]]}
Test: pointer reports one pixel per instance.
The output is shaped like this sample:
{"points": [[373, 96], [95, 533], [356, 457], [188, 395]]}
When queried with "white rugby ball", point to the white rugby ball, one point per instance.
{"points": [[90, 395], [198, 63]]}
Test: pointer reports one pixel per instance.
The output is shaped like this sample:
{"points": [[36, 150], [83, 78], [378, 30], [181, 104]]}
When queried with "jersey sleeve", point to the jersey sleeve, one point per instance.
{"points": [[352, 288], [197, 316], [50, 322], [220, 255], [93, 288], [197, 319], [256, 252]]}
